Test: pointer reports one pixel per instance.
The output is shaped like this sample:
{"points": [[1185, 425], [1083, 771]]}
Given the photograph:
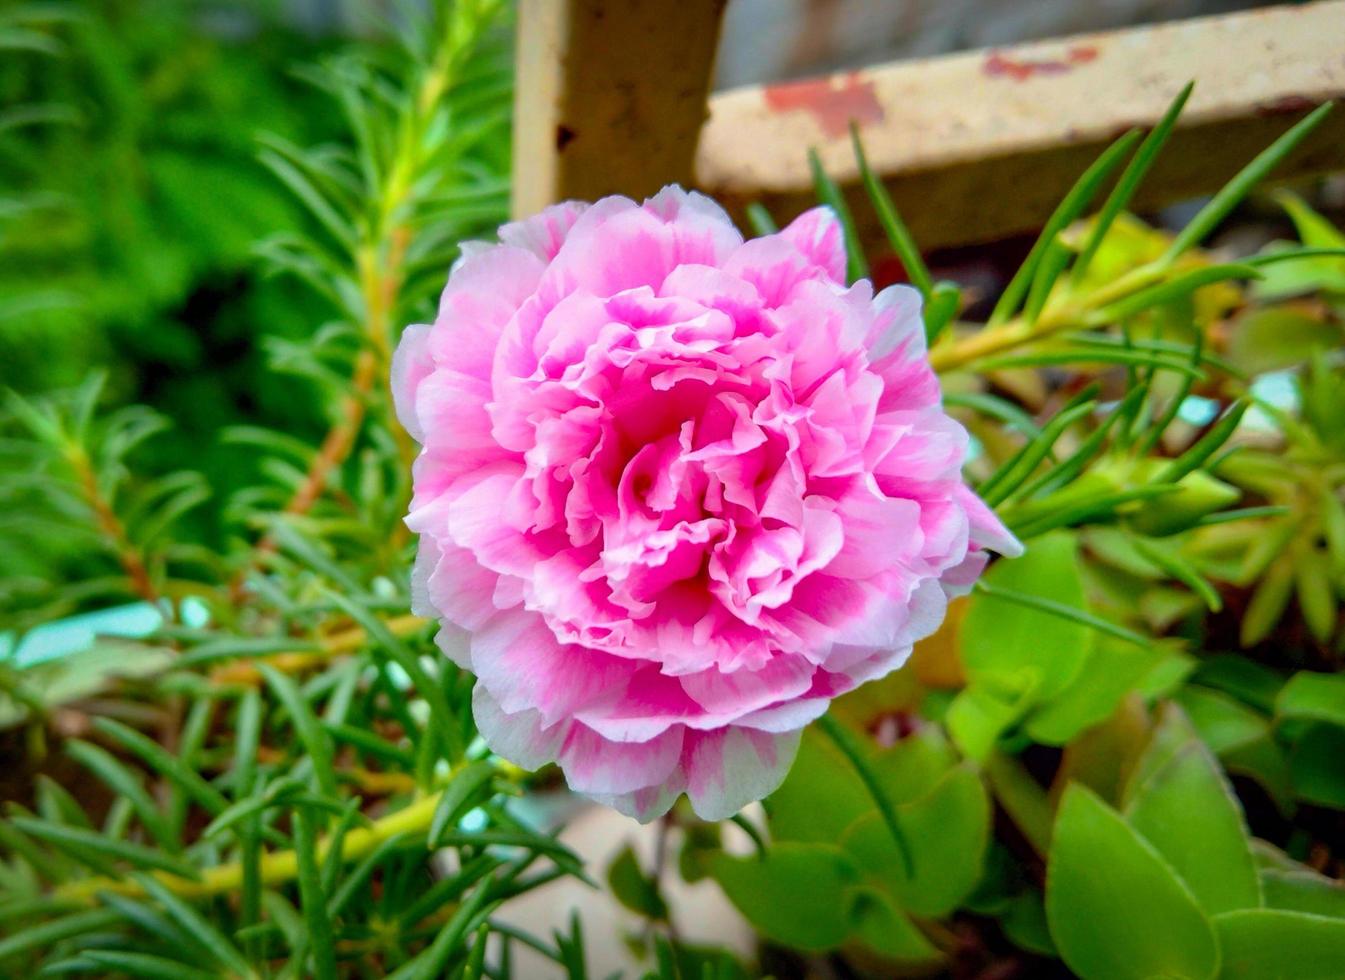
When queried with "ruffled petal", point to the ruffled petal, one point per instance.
{"points": [[732, 767], [519, 737], [817, 234]]}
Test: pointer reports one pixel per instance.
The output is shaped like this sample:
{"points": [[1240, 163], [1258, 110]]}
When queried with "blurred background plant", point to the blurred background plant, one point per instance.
{"points": [[230, 750]]}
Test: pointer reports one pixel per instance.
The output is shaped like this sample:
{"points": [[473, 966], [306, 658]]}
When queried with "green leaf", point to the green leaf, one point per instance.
{"points": [[633, 888], [311, 734], [948, 829], [760, 219], [1116, 909], [1252, 683], [1315, 766], [433, 962], [1021, 466], [1316, 595], [857, 267], [1212, 855], [981, 713], [1078, 198], [1310, 697], [881, 926], [195, 926], [160, 759], [1303, 890], [1024, 922], [1170, 562], [75, 924], [1112, 669], [944, 303], [1268, 602], [796, 896], [78, 841], [143, 965], [855, 753], [1236, 189], [461, 791], [820, 772], [1272, 338], [1171, 290], [1273, 944], [404, 657], [126, 785], [313, 901], [1224, 723], [1014, 647], [898, 235], [1129, 182]]}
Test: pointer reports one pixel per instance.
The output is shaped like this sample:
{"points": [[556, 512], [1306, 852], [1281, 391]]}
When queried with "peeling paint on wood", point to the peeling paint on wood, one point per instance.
{"points": [[998, 64], [833, 102], [981, 145]]}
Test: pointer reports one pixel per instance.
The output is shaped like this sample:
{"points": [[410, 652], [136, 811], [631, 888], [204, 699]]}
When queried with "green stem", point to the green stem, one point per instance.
{"points": [[852, 749], [277, 867]]}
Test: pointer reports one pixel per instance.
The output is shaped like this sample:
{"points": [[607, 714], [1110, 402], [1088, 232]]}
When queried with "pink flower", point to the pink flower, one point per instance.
{"points": [[677, 492]]}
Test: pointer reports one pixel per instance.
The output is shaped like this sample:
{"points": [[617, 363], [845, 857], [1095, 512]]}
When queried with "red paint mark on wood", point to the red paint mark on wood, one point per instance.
{"points": [[998, 65], [1286, 103], [834, 101]]}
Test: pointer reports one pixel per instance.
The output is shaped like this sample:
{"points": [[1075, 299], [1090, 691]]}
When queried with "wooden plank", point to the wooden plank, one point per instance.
{"points": [[610, 96], [981, 145]]}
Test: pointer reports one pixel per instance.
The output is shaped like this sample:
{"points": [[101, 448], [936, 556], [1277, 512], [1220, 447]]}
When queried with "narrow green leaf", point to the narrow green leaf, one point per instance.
{"points": [[1205, 447], [448, 944], [459, 792], [195, 925], [1293, 255], [77, 841], [857, 267], [371, 744], [945, 300], [317, 203], [126, 785], [426, 686], [1013, 474], [898, 235], [77, 924], [1129, 182], [853, 750], [1064, 612], [312, 899], [162, 761], [357, 876], [996, 408], [1240, 186], [1170, 290], [760, 219], [1052, 264], [1173, 564], [144, 965], [1088, 355], [306, 726], [1078, 198]]}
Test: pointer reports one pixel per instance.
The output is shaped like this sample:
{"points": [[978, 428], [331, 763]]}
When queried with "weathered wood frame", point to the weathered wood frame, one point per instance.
{"points": [[973, 146]]}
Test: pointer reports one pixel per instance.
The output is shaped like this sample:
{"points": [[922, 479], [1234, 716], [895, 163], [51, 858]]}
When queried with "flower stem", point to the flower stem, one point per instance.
{"points": [[850, 747], [112, 528], [276, 867], [955, 354]]}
